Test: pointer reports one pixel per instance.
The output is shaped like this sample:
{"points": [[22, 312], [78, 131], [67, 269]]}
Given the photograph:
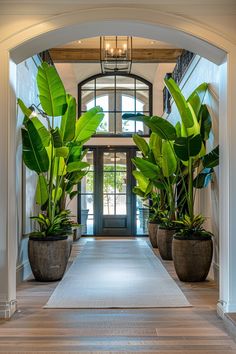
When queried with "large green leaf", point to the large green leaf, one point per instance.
{"points": [[133, 116], [41, 190], [25, 110], [74, 178], [141, 144], [42, 130], [186, 147], [203, 178], [195, 129], [56, 194], [52, 93], [77, 166], [205, 122], [68, 120], [137, 190], [62, 151], [142, 181], [147, 168], [178, 129], [161, 127], [34, 152], [88, 123], [211, 160], [169, 162], [76, 152], [155, 143], [181, 103], [197, 96], [59, 167], [56, 138]]}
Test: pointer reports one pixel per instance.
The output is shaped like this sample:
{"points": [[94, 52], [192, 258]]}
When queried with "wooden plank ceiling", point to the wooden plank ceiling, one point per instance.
{"points": [[92, 55]]}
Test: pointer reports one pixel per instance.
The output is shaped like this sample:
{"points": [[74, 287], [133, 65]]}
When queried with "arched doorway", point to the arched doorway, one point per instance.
{"points": [[117, 21], [108, 207]]}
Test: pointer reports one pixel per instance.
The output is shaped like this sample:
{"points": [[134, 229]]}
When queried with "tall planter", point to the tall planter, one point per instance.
{"points": [[152, 233], [192, 258], [164, 240], [48, 258]]}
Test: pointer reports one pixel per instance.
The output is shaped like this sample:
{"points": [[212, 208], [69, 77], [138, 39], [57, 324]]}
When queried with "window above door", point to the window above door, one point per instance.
{"points": [[117, 94]]}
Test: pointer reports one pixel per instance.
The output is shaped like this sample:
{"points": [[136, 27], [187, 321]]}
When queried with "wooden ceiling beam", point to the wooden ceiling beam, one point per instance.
{"points": [[139, 55]]}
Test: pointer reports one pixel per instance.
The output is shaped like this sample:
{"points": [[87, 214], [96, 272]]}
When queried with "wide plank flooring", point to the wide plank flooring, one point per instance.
{"points": [[195, 330]]}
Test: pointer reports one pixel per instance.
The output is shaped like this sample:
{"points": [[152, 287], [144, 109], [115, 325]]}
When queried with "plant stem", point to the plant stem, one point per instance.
{"points": [[50, 202], [190, 188]]}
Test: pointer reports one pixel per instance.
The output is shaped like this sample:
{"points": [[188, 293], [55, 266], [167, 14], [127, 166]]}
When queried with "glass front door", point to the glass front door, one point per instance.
{"points": [[106, 203], [115, 186]]}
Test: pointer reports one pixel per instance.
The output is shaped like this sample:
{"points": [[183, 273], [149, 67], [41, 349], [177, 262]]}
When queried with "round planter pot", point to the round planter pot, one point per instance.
{"points": [[152, 232], [192, 258], [48, 258], [164, 240]]}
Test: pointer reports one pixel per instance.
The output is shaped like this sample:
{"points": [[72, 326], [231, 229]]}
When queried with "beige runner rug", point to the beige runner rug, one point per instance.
{"points": [[117, 274]]}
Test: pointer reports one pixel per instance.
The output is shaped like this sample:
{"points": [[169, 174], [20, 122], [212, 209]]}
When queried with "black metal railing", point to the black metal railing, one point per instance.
{"points": [[178, 73]]}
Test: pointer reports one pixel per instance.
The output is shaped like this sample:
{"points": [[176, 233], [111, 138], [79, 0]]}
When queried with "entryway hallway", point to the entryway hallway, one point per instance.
{"points": [[189, 330]]}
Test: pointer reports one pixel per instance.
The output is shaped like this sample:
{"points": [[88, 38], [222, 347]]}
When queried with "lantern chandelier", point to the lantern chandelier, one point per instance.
{"points": [[116, 54]]}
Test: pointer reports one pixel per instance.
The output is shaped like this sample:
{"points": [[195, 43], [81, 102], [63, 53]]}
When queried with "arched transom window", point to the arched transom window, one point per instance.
{"points": [[117, 94]]}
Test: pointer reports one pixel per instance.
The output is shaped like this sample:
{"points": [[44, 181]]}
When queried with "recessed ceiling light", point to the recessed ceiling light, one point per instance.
{"points": [[152, 42], [79, 42]]}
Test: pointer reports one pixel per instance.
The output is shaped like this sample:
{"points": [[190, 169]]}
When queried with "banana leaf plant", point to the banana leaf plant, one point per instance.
{"points": [[55, 151], [186, 146], [156, 174]]}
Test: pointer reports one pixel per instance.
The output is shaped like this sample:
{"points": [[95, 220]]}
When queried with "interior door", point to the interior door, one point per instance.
{"points": [[114, 172]]}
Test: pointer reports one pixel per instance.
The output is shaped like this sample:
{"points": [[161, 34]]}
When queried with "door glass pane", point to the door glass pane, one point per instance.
{"points": [[109, 161], [121, 161], [121, 182], [89, 158], [86, 204], [87, 214], [87, 183], [109, 182], [121, 208], [108, 204], [142, 214]]}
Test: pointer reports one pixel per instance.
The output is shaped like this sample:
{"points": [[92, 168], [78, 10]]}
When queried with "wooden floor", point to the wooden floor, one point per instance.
{"points": [[168, 331]]}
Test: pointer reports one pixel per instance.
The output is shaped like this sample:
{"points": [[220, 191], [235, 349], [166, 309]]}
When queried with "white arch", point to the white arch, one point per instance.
{"points": [[142, 22], [116, 20]]}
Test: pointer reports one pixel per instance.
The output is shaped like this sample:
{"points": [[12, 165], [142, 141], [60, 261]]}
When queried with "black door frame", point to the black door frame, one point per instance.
{"points": [[131, 152]]}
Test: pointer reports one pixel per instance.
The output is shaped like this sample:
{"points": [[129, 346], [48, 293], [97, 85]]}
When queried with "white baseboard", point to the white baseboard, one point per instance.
{"points": [[23, 271], [7, 309]]}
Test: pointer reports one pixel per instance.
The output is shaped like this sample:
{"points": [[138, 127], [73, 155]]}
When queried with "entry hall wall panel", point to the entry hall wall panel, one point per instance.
{"points": [[25, 179]]}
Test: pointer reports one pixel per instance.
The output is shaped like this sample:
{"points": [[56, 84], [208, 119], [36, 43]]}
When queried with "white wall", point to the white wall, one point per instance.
{"points": [[25, 179], [158, 85], [207, 203]]}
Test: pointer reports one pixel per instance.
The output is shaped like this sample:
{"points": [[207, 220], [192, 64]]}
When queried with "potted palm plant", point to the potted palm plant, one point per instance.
{"points": [[160, 165], [55, 153], [192, 246], [145, 175]]}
